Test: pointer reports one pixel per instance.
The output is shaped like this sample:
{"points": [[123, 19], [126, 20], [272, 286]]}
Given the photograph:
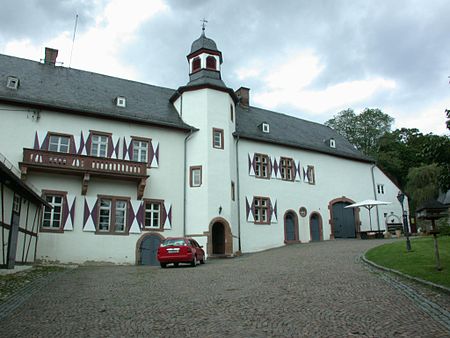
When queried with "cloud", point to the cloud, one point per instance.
{"points": [[289, 83]]}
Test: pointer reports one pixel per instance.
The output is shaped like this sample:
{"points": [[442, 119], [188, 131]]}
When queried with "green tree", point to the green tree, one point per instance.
{"points": [[363, 130], [423, 184]]}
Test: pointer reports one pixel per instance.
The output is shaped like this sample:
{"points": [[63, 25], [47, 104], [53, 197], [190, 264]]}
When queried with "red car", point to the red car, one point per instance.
{"points": [[180, 250]]}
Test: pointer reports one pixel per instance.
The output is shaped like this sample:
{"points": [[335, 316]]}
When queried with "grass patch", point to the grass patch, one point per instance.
{"points": [[420, 262]]}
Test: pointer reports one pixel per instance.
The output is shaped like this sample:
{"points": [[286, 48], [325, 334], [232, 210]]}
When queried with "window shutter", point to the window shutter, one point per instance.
{"points": [[299, 171], [167, 221], [110, 147], [80, 144], [68, 212], [87, 147], [90, 214], [251, 164], [275, 167], [126, 146], [39, 139], [155, 157], [305, 176], [135, 216], [249, 209], [273, 211], [278, 174], [116, 142], [297, 174]]}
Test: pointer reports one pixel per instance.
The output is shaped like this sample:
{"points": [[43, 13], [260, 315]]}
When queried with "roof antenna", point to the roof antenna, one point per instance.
{"points": [[204, 21], [73, 39]]}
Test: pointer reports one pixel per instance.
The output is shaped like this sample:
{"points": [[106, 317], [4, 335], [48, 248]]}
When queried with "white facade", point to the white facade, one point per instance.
{"points": [[219, 211]]}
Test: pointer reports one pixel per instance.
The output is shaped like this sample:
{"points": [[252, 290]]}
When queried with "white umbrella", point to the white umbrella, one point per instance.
{"points": [[368, 204]]}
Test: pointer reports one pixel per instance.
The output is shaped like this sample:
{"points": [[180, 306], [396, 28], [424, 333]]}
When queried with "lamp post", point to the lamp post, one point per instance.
{"points": [[401, 198]]}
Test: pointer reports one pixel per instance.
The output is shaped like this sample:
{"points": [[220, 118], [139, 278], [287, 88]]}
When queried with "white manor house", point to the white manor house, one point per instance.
{"points": [[116, 166]]}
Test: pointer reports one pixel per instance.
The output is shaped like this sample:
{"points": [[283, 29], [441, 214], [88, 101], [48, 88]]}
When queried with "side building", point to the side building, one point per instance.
{"points": [[125, 164]]}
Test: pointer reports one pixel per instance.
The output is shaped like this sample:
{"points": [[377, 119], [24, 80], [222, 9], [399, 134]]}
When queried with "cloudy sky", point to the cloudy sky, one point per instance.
{"points": [[306, 58]]}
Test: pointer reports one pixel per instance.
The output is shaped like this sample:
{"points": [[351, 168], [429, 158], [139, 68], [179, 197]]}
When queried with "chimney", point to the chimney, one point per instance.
{"points": [[50, 56], [243, 94]]}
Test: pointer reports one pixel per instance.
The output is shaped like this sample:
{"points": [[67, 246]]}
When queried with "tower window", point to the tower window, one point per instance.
{"points": [[211, 62], [217, 138], [12, 82], [196, 63]]}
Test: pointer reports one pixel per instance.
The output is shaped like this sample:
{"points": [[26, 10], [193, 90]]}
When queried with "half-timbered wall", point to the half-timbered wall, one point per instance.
{"points": [[28, 227]]}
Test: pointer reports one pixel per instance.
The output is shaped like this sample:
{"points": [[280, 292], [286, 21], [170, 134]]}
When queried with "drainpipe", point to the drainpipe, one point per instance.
{"points": [[238, 195], [375, 194]]}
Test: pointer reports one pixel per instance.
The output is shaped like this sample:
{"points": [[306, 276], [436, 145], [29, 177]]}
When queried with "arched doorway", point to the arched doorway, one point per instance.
{"points": [[290, 227], [218, 239], [315, 227], [344, 220], [147, 249]]}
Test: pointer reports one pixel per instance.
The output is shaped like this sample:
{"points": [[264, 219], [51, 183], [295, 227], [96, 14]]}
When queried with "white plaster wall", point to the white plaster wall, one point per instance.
{"points": [[335, 177], [206, 109], [165, 182]]}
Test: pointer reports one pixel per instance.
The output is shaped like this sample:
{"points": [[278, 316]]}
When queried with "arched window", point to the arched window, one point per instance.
{"points": [[211, 62], [196, 64]]}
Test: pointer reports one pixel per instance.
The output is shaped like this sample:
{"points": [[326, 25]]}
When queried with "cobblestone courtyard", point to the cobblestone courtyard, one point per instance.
{"points": [[319, 290]]}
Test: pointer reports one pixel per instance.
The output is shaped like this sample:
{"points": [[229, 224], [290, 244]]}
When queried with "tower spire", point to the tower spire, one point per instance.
{"points": [[204, 21]]}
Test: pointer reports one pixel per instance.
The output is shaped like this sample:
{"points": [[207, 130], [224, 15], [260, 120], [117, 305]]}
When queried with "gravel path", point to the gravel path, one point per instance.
{"points": [[319, 290]]}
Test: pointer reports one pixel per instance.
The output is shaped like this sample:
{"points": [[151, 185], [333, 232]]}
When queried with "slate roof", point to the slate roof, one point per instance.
{"points": [[294, 132], [203, 43], [86, 92], [206, 77]]}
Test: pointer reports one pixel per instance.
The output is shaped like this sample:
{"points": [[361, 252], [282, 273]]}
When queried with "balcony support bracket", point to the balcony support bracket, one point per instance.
{"points": [[85, 183]]}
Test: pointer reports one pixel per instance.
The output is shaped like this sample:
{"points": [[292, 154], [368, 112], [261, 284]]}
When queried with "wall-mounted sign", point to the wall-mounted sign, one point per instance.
{"points": [[302, 211]]}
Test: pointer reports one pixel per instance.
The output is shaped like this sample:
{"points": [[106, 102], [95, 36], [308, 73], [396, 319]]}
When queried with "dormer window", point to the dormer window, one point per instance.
{"points": [[12, 82], [265, 127], [211, 63], [196, 64], [332, 143], [121, 101]]}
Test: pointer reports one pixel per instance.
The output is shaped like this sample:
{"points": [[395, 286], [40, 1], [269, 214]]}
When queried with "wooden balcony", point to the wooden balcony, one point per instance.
{"points": [[84, 166]]}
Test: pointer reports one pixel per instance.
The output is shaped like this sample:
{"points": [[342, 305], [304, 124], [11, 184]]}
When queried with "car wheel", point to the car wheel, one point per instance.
{"points": [[194, 262], [163, 265]]}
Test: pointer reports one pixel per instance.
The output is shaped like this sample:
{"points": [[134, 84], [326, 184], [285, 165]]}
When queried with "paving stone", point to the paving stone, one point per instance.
{"points": [[318, 289]]}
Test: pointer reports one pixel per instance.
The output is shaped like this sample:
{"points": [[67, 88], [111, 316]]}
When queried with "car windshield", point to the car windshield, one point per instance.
{"points": [[173, 242]]}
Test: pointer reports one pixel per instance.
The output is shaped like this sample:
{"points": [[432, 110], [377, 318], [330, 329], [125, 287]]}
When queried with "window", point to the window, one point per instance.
{"points": [[332, 143], [112, 217], [195, 177], [196, 64], [211, 62], [261, 166], [12, 82], [140, 150], [59, 143], [53, 215], [99, 145], [231, 113], [380, 188], [261, 210], [121, 101], [232, 191], [218, 138], [153, 210], [310, 174], [265, 127], [287, 169]]}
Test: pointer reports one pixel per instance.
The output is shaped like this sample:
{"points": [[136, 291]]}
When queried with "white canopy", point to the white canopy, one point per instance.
{"points": [[368, 204]]}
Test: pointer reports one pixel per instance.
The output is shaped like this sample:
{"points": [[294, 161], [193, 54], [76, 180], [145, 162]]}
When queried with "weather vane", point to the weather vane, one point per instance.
{"points": [[204, 21]]}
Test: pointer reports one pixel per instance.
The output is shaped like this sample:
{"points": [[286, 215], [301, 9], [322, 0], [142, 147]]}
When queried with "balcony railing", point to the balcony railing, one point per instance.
{"points": [[86, 166]]}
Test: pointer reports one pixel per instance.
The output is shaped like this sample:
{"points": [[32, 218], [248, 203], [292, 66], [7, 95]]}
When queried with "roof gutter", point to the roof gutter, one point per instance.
{"points": [[375, 193], [238, 194]]}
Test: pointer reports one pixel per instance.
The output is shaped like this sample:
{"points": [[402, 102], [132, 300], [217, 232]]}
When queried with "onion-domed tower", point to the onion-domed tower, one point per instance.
{"points": [[207, 104]]}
